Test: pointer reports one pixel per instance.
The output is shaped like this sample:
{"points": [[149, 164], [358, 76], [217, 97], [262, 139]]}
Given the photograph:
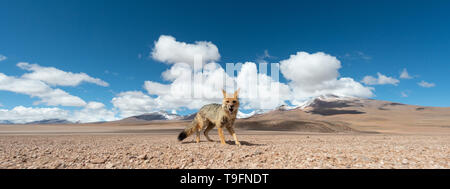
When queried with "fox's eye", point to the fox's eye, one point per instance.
{"points": [[228, 101], [234, 101]]}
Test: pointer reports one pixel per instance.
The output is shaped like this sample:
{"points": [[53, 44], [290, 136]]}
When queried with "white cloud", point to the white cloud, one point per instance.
{"points": [[180, 92], [131, 103], [36, 84], [170, 51], [357, 55], [426, 84], [363, 55], [36, 88], [381, 80], [405, 75], [404, 94], [310, 69], [256, 88], [155, 88], [260, 91], [21, 114], [93, 112], [54, 76], [3, 57], [308, 74], [261, 58], [317, 74]]}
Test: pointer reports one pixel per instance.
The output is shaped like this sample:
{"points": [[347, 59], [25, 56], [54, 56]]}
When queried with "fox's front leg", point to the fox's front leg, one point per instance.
{"points": [[232, 133], [221, 136]]}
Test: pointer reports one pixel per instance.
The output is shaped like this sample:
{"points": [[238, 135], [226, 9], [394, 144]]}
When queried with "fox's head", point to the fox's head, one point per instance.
{"points": [[230, 103]]}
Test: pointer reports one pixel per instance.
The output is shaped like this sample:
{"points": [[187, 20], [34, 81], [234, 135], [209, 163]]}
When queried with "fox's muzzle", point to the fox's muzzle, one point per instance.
{"points": [[229, 107]]}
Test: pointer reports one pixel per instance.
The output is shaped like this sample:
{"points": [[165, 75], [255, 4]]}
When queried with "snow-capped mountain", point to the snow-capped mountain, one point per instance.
{"points": [[286, 108], [241, 115], [314, 102], [40, 122], [6, 122], [50, 121], [160, 115]]}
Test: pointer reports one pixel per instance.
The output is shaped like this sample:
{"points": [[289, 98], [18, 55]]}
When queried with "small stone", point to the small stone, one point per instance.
{"points": [[57, 165], [143, 157], [405, 162], [109, 165], [257, 153], [97, 161]]}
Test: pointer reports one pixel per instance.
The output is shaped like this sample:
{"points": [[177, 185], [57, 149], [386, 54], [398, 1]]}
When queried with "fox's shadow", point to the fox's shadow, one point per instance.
{"points": [[243, 143]]}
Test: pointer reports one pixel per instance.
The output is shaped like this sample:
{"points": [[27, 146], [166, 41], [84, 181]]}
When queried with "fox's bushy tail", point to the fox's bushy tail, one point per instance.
{"points": [[188, 131]]}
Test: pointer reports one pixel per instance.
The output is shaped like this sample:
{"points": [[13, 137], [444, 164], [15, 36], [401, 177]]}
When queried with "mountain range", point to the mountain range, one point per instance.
{"points": [[326, 113]]}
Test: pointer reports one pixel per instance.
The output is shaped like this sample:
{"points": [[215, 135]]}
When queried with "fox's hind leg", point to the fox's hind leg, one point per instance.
{"points": [[197, 131], [197, 137], [208, 128]]}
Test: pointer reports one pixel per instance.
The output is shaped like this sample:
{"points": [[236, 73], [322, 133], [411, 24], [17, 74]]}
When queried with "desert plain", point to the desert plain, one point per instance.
{"points": [[144, 146]]}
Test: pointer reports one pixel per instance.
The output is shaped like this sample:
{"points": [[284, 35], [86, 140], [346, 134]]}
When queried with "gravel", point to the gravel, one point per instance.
{"points": [[257, 151]]}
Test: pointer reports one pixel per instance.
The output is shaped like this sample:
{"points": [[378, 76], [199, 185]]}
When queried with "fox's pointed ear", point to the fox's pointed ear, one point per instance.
{"points": [[236, 93], [224, 93]]}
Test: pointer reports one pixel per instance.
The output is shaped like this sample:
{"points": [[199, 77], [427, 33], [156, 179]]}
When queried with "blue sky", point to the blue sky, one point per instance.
{"points": [[112, 40]]}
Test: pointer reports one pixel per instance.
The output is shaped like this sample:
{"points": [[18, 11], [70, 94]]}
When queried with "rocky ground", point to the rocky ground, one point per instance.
{"points": [[258, 151]]}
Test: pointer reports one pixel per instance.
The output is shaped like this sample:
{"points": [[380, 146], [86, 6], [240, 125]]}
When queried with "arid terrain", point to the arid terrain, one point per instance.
{"points": [[149, 146], [325, 134]]}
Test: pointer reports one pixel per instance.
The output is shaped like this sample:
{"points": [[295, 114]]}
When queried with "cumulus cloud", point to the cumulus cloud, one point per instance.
{"points": [[93, 112], [308, 74], [3, 57], [310, 69], [426, 84], [184, 91], [405, 75], [188, 88], [316, 74], [260, 91], [21, 114], [36, 88], [131, 103], [170, 51], [381, 80], [38, 84], [54, 76]]}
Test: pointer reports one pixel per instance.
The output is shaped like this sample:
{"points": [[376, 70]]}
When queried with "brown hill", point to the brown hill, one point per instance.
{"points": [[354, 115]]}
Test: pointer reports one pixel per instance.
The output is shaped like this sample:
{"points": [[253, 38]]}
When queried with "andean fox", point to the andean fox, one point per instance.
{"points": [[209, 116]]}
